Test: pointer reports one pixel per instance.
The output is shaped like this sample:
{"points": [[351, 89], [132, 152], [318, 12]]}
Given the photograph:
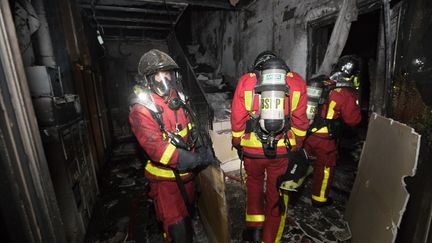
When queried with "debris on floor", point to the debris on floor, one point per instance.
{"points": [[124, 213]]}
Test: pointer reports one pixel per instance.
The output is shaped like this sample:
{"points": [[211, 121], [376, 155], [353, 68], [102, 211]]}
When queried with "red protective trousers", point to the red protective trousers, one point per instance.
{"points": [[324, 149], [262, 211], [342, 104], [169, 203]]}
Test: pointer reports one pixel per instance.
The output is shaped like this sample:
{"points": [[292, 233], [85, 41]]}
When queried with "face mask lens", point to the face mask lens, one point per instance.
{"points": [[161, 82]]}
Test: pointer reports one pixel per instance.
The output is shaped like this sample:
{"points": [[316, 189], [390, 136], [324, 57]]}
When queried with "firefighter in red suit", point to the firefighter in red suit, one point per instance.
{"points": [[265, 151], [162, 124], [339, 101]]}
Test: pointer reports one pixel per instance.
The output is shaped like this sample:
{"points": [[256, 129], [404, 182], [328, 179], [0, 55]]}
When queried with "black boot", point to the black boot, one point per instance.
{"points": [[252, 235], [181, 232], [322, 204]]}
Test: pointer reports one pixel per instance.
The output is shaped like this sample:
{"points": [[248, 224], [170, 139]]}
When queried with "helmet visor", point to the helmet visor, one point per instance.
{"points": [[348, 68], [163, 81]]}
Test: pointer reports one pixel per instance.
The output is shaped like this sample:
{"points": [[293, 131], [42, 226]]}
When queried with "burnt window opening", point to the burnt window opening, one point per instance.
{"points": [[363, 40], [319, 33]]}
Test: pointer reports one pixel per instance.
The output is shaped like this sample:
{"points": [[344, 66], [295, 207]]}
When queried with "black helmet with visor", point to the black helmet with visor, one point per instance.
{"points": [[160, 71]]}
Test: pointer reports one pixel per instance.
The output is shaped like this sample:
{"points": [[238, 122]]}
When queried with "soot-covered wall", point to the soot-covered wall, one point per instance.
{"points": [[234, 38], [120, 64]]}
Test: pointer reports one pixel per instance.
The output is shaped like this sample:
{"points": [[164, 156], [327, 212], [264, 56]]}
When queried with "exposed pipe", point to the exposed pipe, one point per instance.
{"points": [[34, 199], [44, 45]]}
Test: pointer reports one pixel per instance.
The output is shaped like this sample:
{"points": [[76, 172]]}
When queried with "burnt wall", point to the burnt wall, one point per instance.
{"points": [[120, 66], [412, 104], [233, 39]]}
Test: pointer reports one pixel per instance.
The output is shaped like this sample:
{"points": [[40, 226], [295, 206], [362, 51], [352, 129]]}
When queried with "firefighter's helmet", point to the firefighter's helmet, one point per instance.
{"points": [[347, 69], [160, 71], [262, 58]]}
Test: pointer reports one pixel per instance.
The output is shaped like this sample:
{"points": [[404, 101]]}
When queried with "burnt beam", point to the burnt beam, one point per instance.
{"points": [[137, 27], [135, 20], [129, 9], [221, 4]]}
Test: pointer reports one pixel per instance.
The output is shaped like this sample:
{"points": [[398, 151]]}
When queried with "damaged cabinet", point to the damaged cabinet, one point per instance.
{"points": [[66, 143], [72, 172]]}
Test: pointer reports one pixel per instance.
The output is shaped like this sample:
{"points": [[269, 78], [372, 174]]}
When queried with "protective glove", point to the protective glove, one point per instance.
{"points": [[210, 157], [189, 160], [202, 157], [297, 169]]}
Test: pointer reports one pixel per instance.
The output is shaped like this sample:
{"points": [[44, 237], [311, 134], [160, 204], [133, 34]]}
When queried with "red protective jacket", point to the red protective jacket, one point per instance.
{"points": [[161, 152], [245, 103], [342, 103]]}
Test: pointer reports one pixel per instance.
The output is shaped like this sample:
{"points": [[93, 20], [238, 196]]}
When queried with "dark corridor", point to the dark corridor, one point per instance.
{"points": [[72, 170]]}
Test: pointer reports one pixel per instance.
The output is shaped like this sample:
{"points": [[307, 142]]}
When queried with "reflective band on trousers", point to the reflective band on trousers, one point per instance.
{"points": [[322, 197], [282, 220], [254, 142], [255, 217], [166, 173]]}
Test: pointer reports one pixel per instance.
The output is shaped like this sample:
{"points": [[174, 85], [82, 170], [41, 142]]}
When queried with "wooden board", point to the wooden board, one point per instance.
{"points": [[212, 204], [378, 199], [224, 151]]}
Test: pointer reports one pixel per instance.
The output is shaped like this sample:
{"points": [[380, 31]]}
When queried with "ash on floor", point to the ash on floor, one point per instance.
{"points": [[306, 223], [124, 213]]}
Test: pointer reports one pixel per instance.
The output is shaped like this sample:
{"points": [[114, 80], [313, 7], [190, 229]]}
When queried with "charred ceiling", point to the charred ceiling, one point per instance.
{"points": [[140, 19]]}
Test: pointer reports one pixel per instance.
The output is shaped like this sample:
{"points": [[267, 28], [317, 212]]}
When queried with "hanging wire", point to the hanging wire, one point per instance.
{"points": [[93, 9], [169, 15], [99, 27]]}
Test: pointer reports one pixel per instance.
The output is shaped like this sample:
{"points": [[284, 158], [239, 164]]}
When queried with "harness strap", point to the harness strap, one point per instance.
{"points": [[182, 189]]}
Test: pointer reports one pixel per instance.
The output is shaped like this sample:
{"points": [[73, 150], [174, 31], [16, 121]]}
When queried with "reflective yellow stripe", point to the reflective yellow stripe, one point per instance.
{"points": [[292, 141], [166, 156], [254, 142], [237, 134], [330, 112], [167, 173], [322, 197], [282, 220], [255, 217], [298, 132], [321, 130], [356, 81], [295, 100], [183, 132], [248, 100]]}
